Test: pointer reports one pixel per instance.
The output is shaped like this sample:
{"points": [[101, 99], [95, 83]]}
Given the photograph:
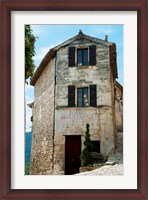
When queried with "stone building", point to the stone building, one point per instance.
{"points": [[75, 84]]}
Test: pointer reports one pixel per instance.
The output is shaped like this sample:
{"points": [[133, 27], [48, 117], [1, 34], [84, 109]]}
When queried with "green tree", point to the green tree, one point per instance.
{"points": [[29, 52], [86, 153]]}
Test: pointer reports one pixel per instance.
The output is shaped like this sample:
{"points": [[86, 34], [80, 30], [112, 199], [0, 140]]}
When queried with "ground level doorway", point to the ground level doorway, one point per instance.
{"points": [[72, 154]]}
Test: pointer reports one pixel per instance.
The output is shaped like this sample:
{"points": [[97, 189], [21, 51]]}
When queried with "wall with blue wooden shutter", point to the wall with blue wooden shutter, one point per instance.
{"points": [[71, 56], [71, 96], [92, 55], [93, 95]]}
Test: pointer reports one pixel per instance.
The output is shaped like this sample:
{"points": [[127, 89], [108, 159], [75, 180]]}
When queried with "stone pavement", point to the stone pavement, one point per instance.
{"points": [[106, 170]]}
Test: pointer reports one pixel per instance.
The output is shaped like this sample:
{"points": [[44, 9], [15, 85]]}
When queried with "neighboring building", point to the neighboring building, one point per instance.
{"points": [[74, 85], [119, 118]]}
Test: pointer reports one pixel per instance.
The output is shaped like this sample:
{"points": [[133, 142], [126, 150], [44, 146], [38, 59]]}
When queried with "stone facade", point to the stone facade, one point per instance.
{"points": [[43, 123], [53, 119]]}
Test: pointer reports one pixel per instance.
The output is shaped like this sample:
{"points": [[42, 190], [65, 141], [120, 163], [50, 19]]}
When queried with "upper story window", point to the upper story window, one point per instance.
{"points": [[82, 97], [83, 56]]}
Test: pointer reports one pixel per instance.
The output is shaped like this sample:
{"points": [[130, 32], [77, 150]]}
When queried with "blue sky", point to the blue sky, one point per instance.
{"points": [[52, 35]]}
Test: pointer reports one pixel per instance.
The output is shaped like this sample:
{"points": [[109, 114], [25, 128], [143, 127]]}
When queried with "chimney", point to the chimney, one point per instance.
{"points": [[106, 38], [80, 32]]}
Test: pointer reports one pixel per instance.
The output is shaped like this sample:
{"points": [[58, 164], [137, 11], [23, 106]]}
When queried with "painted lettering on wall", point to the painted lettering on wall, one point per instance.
{"points": [[79, 116]]}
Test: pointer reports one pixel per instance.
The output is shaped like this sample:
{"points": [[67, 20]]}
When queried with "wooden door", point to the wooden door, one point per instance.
{"points": [[72, 154]]}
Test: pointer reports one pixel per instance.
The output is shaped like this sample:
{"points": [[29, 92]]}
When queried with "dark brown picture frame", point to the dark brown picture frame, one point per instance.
{"points": [[141, 6]]}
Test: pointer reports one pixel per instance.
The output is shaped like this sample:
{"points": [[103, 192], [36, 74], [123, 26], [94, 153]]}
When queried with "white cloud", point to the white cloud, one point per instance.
{"points": [[28, 87], [43, 51], [29, 99], [29, 93], [28, 116], [37, 29]]}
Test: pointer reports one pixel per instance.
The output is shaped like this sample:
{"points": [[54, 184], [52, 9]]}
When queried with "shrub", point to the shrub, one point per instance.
{"points": [[86, 153]]}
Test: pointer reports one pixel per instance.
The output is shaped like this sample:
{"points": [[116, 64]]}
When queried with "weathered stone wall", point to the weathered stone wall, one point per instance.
{"points": [[119, 143], [119, 109], [43, 122], [83, 76], [72, 121], [119, 121]]}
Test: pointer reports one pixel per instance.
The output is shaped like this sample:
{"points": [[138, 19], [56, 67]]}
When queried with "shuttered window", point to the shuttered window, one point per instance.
{"points": [[93, 95], [82, 97], [71, 56], [92, 55], [71, 96], [82, 56], [86, 96]]}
